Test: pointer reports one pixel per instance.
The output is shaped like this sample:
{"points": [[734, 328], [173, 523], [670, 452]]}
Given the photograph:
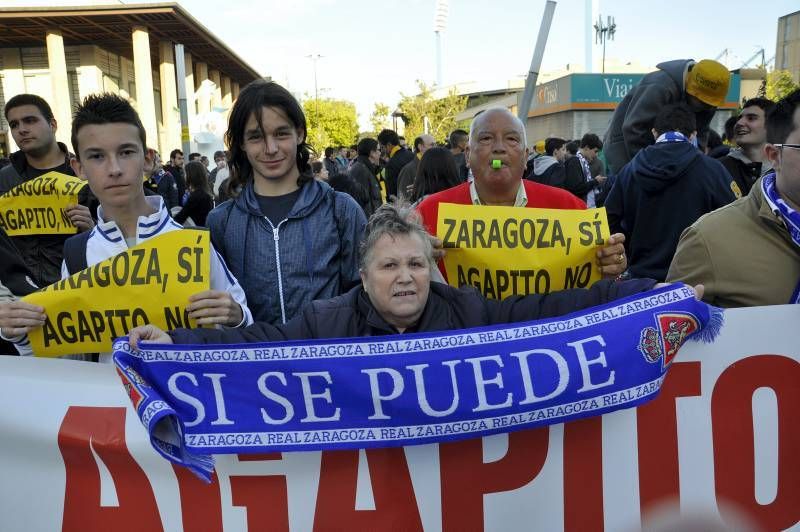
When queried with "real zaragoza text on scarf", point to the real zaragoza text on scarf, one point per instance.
{"points": [[410, 389]]}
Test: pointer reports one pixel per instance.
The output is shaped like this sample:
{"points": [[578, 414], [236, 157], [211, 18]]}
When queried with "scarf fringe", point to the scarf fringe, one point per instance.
{"points": [[716, 319], [202, 465]]}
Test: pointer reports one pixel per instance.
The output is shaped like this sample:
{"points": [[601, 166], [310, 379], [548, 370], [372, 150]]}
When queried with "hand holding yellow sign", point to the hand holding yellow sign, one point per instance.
{"points": [[38, 206], [149, 283], [504, 251]]}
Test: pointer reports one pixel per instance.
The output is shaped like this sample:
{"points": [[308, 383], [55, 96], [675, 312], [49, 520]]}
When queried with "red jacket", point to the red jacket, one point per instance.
{"points": [[539, 197]]}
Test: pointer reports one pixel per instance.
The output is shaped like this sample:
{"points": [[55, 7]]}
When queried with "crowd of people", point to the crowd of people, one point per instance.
{"points": [[301, 241]]}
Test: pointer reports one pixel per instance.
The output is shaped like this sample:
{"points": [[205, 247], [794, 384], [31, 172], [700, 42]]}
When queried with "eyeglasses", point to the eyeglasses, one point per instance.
{"points": [[790, 146]]}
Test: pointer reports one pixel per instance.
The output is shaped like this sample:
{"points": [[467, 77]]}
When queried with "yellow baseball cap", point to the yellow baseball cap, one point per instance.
{"points": [[708, 82], [539, 146]]}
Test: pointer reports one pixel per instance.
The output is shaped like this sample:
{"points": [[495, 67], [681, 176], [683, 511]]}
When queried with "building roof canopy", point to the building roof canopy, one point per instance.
{"points": [[110, 27]]}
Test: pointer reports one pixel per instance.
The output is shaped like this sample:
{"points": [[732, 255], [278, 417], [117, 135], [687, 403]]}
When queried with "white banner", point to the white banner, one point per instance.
{"points": [[74, 456]]}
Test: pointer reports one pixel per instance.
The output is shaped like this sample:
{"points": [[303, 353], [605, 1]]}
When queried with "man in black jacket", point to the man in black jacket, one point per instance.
{"points": [[160, 181], [747, 162], [579, 178], [175, 167], [458, 145], [405, 181], [33, 128], [363, 182], [548, 169], [330, 162], [398, 158]]}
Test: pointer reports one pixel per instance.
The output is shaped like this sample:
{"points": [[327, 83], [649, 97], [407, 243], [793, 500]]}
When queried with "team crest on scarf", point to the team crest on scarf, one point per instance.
{"points": [[665, 339], [132, 382]]}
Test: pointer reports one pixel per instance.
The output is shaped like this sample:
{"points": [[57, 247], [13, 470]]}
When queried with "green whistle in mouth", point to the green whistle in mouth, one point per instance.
{"points": [[497, 164]]}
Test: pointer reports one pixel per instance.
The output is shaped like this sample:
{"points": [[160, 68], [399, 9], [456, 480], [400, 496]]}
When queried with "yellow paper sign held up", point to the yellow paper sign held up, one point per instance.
{"points": [[149, 283], [505, 251], [38, 206]]}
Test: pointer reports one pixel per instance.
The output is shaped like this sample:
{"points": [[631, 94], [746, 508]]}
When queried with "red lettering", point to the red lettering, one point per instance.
{"points": [[252, 492], [732, 423], [102, 429], [392, 491], [657, 437], [583, 474], [200, 502], [259, 457], [465, 478]]}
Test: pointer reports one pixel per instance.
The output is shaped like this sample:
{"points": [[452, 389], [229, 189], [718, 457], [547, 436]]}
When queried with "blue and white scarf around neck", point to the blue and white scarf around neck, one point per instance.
{"points": [[587, 174], [197, 400], [672, 136], [789, 216]]}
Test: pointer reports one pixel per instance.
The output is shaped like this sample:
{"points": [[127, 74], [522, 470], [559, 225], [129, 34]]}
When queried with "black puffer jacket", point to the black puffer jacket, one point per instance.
{"points": [[396, 163], [14, 274], [15, 280], [364, 185], [42, 253], [352, 314]]}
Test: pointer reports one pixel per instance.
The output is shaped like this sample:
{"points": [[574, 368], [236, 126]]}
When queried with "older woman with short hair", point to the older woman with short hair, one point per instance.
{"points": [[397, 295]]}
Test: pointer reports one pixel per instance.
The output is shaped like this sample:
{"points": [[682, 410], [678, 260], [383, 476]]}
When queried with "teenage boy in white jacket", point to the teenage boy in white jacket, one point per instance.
{"points": [[110, 147]]}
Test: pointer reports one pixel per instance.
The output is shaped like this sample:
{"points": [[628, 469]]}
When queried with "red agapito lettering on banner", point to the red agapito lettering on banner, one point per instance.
{"points": [[583, 475], [201, 508], [466, 479], [251, 492], [742, 453], [392, 491], [657, 422], [732, 425], [102, 429]]}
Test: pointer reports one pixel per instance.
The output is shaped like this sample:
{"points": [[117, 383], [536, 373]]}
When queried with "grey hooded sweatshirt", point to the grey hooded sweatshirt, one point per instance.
{"points": [[629, 130]]}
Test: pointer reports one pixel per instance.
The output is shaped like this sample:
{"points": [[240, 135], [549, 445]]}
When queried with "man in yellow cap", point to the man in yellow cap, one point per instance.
{"points": [[702, 85]]}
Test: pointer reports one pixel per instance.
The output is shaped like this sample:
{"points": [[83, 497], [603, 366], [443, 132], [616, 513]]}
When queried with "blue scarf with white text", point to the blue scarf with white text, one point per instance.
{"points": [[587, 175], [790, 217], [198, 400], [672, 136]]}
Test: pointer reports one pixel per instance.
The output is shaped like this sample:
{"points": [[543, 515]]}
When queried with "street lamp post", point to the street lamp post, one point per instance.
{"points": [[603, 33], [314, 58], [439, 25]]}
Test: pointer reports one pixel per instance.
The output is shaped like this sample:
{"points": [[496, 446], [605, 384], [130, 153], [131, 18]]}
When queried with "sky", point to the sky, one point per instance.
{"points": [[375, 51]]}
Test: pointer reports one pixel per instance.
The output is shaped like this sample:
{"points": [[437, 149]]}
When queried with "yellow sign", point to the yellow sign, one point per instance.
{"points": [[382, 184], [149, 283], [38, 206], [505, 251]]}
